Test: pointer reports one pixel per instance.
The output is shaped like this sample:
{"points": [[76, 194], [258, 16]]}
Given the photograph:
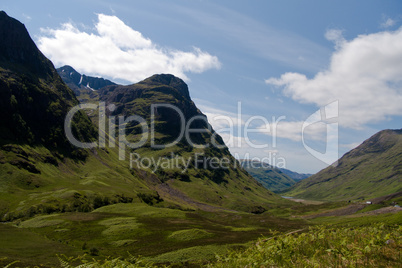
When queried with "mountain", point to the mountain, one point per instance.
{"points": [[194, 178], [372, 169], [272, 178], [33, 98], [80, 83], [295, 175]]}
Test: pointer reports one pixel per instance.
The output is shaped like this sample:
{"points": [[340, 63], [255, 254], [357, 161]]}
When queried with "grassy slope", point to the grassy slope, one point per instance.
{"points": [[371, 170]]}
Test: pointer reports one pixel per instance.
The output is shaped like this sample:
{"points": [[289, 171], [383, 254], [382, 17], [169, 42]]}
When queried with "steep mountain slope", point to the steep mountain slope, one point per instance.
{"points": [[270, 177], [80, 83], [33, 98], [373, 169]]}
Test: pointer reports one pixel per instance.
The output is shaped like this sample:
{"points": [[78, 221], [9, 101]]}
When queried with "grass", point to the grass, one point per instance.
{"points": [[362, 242], [170, 236], [157, 233], [360, 220], [141, 210], [195, 255], [41, 221], [30, 248]]}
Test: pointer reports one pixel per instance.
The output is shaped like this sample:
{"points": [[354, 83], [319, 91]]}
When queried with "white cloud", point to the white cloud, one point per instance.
{"points": [[336, 36], [388, 23], [119, 52], [365, 76]]}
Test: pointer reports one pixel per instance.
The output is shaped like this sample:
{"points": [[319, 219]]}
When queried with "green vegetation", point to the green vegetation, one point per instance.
{"points": [[321, 246], [357, 243], [161, 235], [190, 234]]}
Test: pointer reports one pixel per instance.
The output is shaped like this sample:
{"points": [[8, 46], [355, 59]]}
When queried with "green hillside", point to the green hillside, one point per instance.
{"points": [[373, 169]]}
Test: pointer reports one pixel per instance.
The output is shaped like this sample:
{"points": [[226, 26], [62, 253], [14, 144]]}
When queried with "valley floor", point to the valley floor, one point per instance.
{"points": [[120, 233]]}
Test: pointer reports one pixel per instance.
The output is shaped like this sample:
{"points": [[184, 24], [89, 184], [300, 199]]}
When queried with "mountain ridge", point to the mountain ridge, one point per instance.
{"points": [[372, 169]]}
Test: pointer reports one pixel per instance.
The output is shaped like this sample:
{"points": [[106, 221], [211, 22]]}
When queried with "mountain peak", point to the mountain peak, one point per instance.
{"points": [[78, 82], [168, 80], [17, 49], [378, 143]]}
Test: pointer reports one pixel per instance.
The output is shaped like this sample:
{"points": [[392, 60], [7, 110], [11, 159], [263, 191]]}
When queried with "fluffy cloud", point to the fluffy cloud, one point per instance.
{"points": [[365, 76], [120, 52]]}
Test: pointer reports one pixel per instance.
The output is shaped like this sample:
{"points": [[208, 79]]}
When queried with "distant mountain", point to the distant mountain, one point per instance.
{"points": [[373, 169], [294, 175], [270, 177], [80, 83]]}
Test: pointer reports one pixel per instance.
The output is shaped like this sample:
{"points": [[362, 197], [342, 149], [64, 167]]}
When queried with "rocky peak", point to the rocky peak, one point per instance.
{"points": [[77, 81], [168, 80]]}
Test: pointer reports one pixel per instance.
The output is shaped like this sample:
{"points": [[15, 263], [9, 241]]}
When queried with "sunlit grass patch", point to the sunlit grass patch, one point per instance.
{"points": [[242, 229], [141, 209], [190, 234], [198, 253], [41, 221], [120, 226]]}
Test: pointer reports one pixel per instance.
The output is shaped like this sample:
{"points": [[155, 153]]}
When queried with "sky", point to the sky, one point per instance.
{"points": [[294, 83]]}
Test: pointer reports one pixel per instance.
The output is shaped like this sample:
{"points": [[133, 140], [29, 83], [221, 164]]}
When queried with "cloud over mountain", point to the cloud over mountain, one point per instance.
{"points": [[117, 51]]}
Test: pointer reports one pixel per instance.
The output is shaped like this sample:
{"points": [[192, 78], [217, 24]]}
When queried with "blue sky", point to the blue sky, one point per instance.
{"points": [[282, 60]]}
